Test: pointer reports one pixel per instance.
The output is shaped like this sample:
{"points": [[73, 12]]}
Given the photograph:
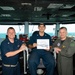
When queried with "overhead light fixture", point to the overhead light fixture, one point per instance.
{"points": [[53, 5], [65, 15], [68, 19], [26, 4], [53, 15], [37, 8], [6, 8], [68, 6], [5, 15]]}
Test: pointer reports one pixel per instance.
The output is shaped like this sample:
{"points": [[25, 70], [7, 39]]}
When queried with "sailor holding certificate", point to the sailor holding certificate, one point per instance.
{"points": [[40, 43]]}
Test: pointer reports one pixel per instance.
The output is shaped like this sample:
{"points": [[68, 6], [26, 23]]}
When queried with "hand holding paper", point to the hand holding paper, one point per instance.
{"points": [[34, 44]]}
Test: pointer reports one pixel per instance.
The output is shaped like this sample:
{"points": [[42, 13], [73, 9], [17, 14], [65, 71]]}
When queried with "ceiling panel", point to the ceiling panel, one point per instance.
{"points": [[37, 11]]}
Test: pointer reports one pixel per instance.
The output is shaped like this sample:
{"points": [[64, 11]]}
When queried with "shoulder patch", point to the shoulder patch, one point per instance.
{"points": [[72, 43]]}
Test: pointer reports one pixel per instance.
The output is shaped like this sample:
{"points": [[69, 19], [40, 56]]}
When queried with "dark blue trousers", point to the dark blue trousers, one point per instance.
{"points": [[48, 61], [11, 70]]}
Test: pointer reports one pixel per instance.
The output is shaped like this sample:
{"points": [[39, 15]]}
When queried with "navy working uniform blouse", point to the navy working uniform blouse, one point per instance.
{"points": [[36, 36], [7, 46]]}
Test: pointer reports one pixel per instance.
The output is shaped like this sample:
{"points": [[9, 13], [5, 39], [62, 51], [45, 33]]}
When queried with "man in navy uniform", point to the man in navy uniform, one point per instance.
{"points": [[10, 49], [36, 54]]}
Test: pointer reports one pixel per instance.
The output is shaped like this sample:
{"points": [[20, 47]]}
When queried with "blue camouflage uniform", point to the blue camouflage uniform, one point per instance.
{"points": [[36, 54], [10, 65]]}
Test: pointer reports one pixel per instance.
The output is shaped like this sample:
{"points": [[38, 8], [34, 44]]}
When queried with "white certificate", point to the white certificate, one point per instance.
{"points": [[43, 44]]}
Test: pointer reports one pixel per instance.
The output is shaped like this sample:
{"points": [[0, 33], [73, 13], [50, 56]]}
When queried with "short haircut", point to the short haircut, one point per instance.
{"points": [[10, 28], [42, 24], [63, 28]]}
